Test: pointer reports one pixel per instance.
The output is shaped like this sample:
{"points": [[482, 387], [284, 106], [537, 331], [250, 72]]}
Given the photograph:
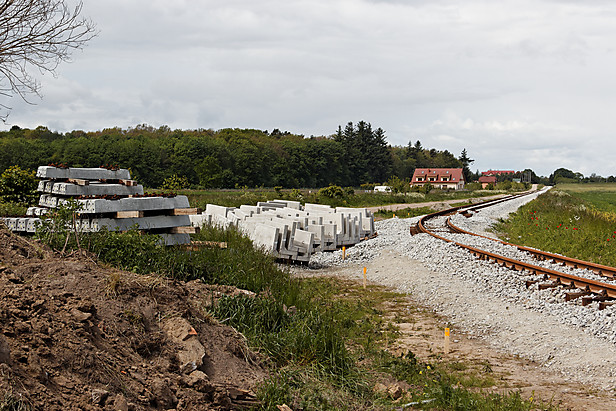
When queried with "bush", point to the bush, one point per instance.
{"points": [[427, 188], [18, 186], [331, 192], [175, 182]]}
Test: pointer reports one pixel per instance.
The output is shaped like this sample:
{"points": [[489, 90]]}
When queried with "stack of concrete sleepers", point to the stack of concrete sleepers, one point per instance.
{"points": [[110, 199], [290, 231]]}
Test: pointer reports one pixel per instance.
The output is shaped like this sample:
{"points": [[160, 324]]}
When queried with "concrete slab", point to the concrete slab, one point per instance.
{"points": [[95, 189], [32, 225], [218, 210], [251, 210], [49, 172], [304, 239], [134, 204], [143, 223], [199, 220], [266, 237], [288, 203]]}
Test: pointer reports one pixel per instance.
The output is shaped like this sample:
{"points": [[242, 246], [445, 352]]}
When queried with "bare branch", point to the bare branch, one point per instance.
{"points": [[37, 34]]}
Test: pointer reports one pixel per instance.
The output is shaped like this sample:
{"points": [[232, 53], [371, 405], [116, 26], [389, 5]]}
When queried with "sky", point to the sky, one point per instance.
{"points": [[518, 84]]}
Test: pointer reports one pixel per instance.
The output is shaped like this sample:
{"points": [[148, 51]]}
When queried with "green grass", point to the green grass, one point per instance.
{"points": [[324, 339], [563, 223], [600, 195], [12, 209]]}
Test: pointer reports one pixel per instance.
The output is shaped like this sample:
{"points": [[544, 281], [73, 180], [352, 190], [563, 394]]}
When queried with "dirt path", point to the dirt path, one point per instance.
{"points": [[433, 204], [422, 333]]}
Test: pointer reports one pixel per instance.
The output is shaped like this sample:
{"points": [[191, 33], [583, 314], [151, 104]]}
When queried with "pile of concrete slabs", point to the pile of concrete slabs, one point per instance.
{"points": [[290, 231], [108, 198]]}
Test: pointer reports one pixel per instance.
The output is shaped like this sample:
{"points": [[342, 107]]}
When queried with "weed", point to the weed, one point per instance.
{"points": [[114, 280], [14, 402]]}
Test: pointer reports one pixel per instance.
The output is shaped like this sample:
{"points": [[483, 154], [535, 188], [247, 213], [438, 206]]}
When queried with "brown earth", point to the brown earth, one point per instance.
{"points": [[75, 335]]}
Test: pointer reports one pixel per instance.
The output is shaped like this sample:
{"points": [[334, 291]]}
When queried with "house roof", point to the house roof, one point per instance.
{"points": [[452, 174], [497, 172], [487, 179]]}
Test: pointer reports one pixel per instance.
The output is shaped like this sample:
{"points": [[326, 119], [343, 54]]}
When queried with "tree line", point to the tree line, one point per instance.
{"points": [[355, 154]]}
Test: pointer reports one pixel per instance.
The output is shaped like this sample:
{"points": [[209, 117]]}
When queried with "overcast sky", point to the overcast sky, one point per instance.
{"points": [[519, 84]]}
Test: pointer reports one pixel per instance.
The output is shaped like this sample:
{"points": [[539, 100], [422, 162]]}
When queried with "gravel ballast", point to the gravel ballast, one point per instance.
{"points": [[487, 301]]}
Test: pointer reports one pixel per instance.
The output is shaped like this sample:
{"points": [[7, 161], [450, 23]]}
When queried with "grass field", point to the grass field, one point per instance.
{"points": [[600, 195], [576, 220]]}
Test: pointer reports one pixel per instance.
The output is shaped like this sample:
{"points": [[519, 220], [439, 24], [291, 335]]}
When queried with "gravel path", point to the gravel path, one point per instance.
{"points": [[488, 301]]}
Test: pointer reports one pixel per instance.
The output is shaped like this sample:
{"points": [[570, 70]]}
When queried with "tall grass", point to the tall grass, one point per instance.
{"points": [[561, 223]]}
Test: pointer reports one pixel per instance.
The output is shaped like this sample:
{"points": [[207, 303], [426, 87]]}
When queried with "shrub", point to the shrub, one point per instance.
{"points": [[427, 188], [18, 186], [175, 182], [331, 192]]}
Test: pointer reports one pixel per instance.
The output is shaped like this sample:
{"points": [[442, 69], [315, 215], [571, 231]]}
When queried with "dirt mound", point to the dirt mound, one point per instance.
{"points": [[79, 336]]}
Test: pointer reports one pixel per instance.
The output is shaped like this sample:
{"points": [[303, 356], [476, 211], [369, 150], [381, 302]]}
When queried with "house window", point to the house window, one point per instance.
{"points": [[432, 179], [420, 179]]}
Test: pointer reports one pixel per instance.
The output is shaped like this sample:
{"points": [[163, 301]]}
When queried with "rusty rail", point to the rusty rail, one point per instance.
{"points": [[599, 291]]}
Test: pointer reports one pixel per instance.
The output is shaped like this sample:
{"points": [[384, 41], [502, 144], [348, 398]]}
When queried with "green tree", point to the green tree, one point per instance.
{"points": [[563, 175], [466, 162], [209, 172]]}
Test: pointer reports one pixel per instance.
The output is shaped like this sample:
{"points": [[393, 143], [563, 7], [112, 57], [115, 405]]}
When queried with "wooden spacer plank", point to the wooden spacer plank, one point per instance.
{"points": [[129, 214], [219, 244], [78, 181], [185, 211], [129, 183], [183, 230]]}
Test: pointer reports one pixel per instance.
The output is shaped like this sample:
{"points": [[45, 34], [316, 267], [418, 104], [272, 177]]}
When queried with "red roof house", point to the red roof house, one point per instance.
{"points": [[486, 180], [443, 178]]}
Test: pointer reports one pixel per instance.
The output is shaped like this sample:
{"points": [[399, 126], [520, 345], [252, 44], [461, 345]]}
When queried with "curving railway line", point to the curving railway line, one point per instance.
{"points": [[585, 280]]}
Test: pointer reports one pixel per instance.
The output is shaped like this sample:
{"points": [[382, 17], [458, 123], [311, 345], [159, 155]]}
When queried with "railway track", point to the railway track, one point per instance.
{"points": [[579, 280]]}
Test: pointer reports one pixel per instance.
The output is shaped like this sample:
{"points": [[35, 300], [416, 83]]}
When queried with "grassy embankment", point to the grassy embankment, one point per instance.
{"points": [[326, 353], [576, 220]]}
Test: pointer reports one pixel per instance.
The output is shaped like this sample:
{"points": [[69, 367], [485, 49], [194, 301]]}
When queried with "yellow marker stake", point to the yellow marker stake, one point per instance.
{"points": [[446, 348], [394, 216], [343, 253], [364, 277]]}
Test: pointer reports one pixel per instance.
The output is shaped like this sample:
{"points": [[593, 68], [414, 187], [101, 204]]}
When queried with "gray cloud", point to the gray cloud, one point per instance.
{"points": [[518, 84]]}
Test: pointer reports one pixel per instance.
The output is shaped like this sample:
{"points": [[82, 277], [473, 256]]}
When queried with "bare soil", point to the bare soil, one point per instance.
{"points": [[75, 335]]}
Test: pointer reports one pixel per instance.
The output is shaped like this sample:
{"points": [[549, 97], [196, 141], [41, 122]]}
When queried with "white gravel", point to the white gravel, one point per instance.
{"points": [[488, 301]]}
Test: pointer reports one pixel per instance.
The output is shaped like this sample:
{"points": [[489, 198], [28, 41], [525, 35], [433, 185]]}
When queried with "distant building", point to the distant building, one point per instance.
{"points": [[487, 180], [497, 172], [443, 178]]}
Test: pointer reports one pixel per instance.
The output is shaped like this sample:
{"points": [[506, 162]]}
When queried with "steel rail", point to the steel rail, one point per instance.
{"points": [[603, 290], [603, 270]]}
